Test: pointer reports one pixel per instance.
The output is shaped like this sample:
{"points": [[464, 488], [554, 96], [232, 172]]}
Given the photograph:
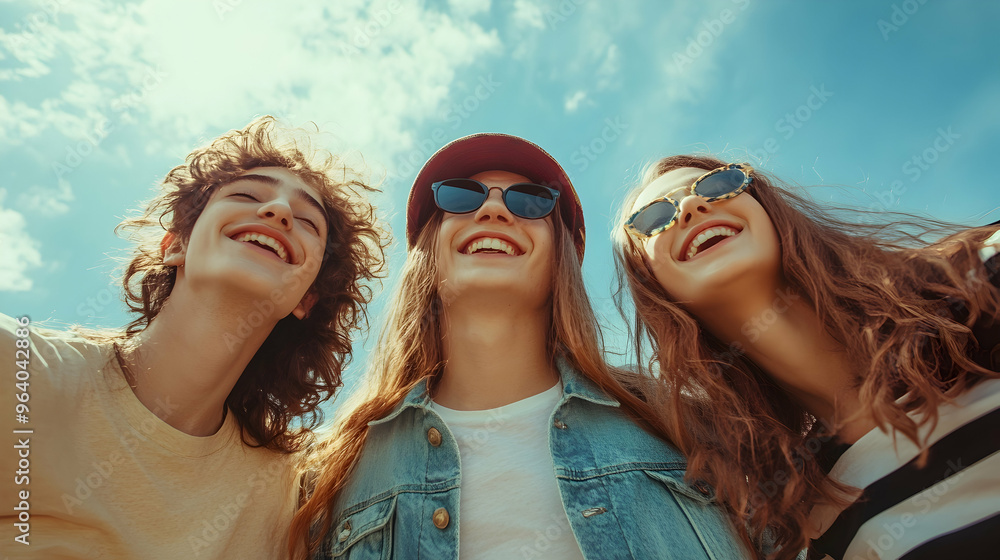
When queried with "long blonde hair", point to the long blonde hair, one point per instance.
{"points": [[409, 350]]}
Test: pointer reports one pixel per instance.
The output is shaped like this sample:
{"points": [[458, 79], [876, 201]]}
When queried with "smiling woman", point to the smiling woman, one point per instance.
{"points": [[741, 241], [823, 375]]}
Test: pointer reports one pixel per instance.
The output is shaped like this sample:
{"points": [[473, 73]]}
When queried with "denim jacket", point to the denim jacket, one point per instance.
{"points": [[622, 488]]}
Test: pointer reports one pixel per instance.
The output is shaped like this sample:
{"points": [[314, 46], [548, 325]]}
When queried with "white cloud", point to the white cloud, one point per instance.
{"points": [[608, 70], [93, 40], [573, 102], [696, 38], [575, 42], [46, 201], [30, 41], [528, 14], [17, 121], [370, 73], [580, 44], [465, 8], [20, 252]]}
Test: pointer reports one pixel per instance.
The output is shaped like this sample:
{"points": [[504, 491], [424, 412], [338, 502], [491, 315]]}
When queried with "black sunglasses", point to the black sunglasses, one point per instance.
{"points": [[524, 200]]}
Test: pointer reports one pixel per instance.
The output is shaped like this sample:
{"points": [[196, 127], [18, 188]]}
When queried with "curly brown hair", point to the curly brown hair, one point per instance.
{"points": [[299, 365], [902, 308]]}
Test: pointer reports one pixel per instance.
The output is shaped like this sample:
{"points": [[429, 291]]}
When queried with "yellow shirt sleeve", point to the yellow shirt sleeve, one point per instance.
{"points": [[107, 478]]}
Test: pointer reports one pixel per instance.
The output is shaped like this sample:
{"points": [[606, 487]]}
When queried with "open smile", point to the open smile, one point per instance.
{"points": [[708, 238], [491, 245], [264, 242]]}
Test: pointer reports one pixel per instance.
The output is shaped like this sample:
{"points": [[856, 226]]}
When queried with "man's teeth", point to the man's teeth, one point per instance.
{"points": [[490, 243], [264, 240], [706, 235]]}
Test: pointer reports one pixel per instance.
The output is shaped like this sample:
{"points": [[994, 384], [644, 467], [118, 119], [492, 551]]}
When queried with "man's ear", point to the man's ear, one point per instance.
{"points": [[302, 310], [172, 249]]}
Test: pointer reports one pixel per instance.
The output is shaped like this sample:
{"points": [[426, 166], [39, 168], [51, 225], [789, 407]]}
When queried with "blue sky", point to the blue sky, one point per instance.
{"points": [[891, 104]]}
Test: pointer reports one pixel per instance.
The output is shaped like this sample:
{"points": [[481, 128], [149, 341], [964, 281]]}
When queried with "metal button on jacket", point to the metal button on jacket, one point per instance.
{"points": [[434, 437], [345, 532], [441, 518]]}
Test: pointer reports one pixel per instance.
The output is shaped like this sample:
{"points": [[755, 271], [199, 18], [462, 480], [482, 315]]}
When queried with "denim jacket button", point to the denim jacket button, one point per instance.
{"points": [[560, 424], [590, 512], [346, 532], [441, 518], [434, 437]]}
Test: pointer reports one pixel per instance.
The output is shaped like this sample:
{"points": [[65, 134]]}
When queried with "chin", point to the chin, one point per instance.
{"points": [[497, 285], [256, 283], [748, 276], [485, 280]]}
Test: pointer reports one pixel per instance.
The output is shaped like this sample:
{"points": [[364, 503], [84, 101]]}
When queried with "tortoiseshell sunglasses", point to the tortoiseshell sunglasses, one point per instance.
{"points": [[718, 184]]}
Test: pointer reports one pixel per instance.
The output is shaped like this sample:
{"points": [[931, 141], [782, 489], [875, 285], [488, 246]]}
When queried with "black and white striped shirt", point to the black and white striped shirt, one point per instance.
{"points": [[948, 508]]}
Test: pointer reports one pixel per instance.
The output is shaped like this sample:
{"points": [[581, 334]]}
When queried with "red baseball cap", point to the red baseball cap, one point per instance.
{"points": [[489, 151]]}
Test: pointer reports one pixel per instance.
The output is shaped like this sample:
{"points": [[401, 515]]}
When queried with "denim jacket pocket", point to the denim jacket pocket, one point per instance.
{"points": [[699, 491], [707, 519], [365, 533]]}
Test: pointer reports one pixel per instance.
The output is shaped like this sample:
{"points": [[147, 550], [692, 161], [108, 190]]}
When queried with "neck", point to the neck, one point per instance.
{"points": [[494, 355], [186, 362], [782, 333]]}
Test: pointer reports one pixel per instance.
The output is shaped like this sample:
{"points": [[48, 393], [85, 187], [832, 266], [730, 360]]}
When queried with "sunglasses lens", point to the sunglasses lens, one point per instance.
{"points": [[529, 201], [654, 217], [459, 196], [721, 183]]}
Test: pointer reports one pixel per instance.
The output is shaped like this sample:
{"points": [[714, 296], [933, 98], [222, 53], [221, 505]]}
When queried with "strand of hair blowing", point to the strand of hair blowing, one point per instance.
{"points": [[409, 349], [890, 306]]}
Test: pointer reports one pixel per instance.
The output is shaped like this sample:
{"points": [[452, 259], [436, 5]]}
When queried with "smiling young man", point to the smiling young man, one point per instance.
{"points": [[490, 426], [172, 439]]}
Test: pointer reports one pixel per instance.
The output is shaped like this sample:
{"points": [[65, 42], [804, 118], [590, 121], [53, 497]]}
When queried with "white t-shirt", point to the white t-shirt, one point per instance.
{"points": [[510, 507]]}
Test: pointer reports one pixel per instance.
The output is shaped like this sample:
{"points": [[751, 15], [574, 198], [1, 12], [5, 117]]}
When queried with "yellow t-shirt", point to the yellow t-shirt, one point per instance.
{"points": [[102, 476]]}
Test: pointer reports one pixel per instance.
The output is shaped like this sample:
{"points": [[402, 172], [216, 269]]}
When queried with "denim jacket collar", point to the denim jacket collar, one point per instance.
{"points": [[574, 385]]}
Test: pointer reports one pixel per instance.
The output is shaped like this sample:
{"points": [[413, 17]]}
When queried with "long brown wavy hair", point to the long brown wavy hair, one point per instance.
{"points": [[300, 363], [409, 350], [901, 308]]}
